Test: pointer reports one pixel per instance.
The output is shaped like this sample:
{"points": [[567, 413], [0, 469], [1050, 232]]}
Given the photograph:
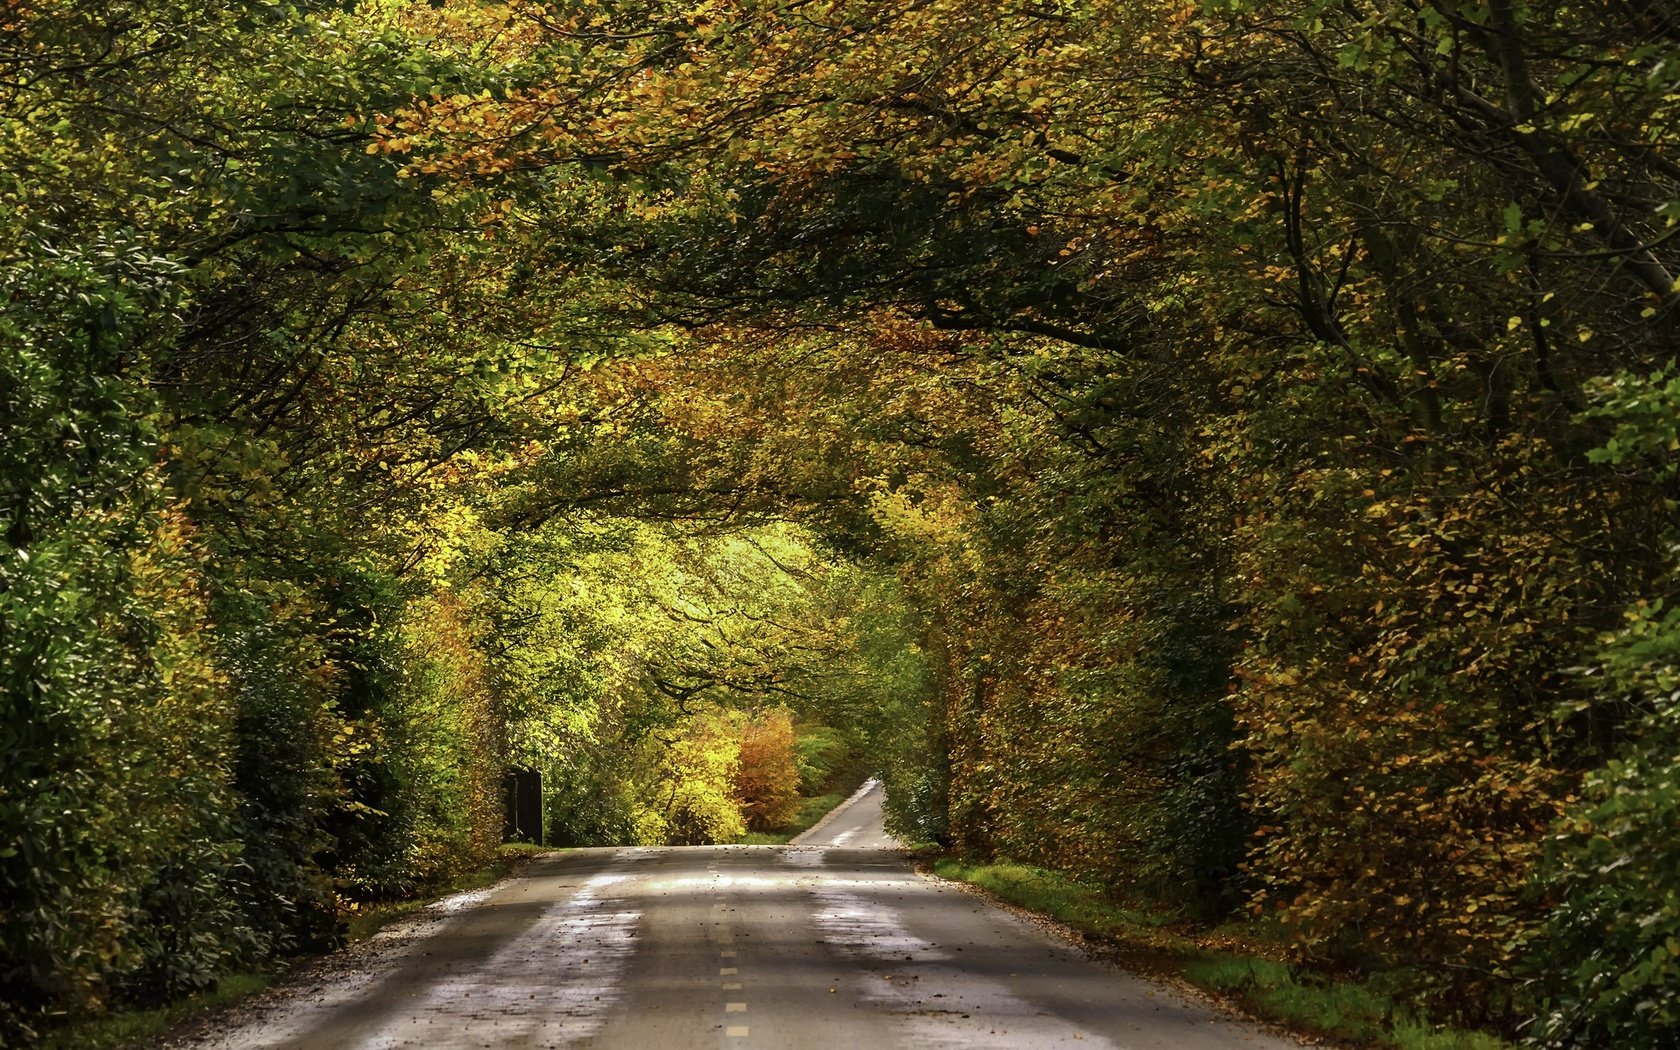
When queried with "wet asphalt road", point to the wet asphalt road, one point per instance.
{"points": [[833, 941]]}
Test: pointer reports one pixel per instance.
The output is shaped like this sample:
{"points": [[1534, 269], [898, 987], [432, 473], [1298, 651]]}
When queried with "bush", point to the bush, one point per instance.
{"points": [[699, 780], [1607, 964], [824, 756], [283, 776], [114, 720], [1610, 956]]}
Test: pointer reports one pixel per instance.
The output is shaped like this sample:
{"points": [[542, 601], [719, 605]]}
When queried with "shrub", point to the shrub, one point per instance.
{"points": [[1607, 963], [1610, 955], [114, 720]]}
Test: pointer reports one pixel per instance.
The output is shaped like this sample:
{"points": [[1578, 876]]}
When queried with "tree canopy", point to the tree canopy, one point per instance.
{"points": [[1225, 450]]}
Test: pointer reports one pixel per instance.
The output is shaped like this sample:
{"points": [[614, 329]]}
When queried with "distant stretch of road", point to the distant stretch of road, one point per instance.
{"points": [[833, 941], [857, 823]]}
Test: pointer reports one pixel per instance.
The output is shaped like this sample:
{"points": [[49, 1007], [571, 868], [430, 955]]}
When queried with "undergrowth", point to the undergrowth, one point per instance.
{"points": [[126, 1028], [130, 1026]]}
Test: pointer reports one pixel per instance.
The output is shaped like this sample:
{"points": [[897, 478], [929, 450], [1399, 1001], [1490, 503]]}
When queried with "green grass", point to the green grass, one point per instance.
{"points": [[811, 810], [130, 1026], [1084, 907], [1273, 989], [1267, 988]]}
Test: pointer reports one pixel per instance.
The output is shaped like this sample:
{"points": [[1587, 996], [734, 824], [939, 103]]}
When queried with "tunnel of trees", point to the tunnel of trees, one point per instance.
{"points": [[1222, 450]]}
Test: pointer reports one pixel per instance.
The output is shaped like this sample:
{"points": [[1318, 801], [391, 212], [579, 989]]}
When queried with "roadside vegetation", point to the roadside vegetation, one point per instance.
{"points": [[1222, 451], [134, 1027], [829, 768], [1242, 962]]}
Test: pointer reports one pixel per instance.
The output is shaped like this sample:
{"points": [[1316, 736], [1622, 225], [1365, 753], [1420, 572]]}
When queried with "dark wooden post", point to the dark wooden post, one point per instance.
{"points": [[523, 792]]}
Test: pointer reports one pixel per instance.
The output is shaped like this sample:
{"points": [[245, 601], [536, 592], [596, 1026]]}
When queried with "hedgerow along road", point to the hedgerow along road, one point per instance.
{"points": [[832, 941]]}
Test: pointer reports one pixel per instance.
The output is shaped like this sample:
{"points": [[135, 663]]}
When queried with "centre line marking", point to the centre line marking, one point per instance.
{"points": [[734, 1008], [736, 1031], [728, 953], [727, 971], [732, 986]]}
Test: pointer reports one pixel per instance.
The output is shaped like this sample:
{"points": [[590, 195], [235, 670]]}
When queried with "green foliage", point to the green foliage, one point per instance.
{"points": [[654, 677], [1207, 477], [282, 731], [418, 754], [823, 756], [198, 255], [114, 796], [1606, 966], [1609, 961]]}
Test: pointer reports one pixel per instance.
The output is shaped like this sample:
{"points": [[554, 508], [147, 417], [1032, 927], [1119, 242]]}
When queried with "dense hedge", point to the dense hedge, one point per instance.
{"points": [[223, 717], [1258, 421]]}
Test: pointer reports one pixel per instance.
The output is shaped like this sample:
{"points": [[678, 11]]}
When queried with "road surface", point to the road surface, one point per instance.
{"points": [[832, 942]]}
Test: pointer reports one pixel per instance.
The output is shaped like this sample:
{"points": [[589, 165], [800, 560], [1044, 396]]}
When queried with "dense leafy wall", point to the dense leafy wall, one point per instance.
{"points": [[267, 631], [1288, 334], [1255, 423]]}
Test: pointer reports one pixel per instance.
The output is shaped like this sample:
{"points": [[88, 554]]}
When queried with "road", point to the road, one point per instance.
{"points": [[833, 941]]}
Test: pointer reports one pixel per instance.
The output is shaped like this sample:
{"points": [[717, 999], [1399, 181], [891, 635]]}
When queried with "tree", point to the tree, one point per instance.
{"points": [[767, 781]]}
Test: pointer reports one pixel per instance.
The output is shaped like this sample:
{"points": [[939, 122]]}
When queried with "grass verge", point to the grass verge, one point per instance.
{"points": [[1275, 991], [130, 1026]]}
